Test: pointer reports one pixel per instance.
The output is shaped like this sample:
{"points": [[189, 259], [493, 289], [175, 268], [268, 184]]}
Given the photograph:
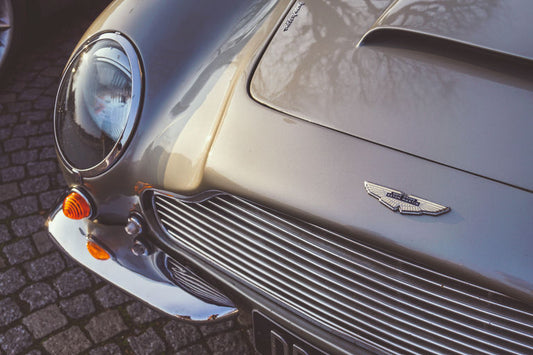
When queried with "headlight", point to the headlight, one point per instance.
{"points": [[97, 104]]}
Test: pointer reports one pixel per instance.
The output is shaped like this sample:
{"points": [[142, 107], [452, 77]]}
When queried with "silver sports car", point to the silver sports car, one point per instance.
{"points": [[350, 176]]}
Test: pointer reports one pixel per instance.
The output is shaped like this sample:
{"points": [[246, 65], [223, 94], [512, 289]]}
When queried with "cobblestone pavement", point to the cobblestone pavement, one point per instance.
{"points": [[48, 303]]}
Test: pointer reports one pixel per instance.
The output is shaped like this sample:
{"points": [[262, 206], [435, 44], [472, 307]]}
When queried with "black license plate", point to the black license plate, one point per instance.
{"points": [[272, 339]]}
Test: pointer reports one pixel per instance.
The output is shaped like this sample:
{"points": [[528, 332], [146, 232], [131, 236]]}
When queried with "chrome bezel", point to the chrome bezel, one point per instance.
{"points": [[136, 95]]}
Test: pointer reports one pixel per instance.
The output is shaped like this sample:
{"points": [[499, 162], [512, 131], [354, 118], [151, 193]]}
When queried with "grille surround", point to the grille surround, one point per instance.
{"points": [[185, 278], [351, 289]]}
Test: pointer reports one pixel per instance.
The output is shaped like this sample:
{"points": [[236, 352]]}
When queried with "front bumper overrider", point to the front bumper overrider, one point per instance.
{"points": [[142, 276]]}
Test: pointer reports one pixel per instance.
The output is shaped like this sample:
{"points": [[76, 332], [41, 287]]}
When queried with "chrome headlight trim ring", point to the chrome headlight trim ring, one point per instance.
{"points": [[137, 86]]}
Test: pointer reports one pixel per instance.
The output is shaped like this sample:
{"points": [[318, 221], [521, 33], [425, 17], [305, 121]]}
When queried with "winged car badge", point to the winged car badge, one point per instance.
{"points": [[403, 203]]}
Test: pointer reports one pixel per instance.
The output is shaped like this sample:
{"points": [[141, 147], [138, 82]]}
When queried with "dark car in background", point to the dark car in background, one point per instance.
{"points": [[352, 176], [19, 19]]}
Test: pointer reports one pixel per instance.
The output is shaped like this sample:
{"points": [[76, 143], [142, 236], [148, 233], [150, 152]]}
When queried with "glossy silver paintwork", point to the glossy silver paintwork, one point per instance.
{"points": [[499, 25], [432, 125], [421, 95], [403, 203], [330, 163]]}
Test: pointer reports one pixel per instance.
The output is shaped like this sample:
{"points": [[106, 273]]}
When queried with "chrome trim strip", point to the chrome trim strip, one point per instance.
{"points": [[135, 275]]}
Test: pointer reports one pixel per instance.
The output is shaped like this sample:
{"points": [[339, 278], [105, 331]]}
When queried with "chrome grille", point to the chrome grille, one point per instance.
{"points": [[347, 287], [192, 283]]}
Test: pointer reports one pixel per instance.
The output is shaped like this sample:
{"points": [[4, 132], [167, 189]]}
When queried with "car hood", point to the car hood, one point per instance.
{"points": [[447, 81]]}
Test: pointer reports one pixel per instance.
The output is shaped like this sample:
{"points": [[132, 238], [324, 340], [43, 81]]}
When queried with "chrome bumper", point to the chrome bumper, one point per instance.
{"points": [[138, 275]]}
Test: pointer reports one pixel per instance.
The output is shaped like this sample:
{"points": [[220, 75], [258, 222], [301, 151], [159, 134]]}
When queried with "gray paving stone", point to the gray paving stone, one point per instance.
{"points": [[72, 281], [45, 266], [8, 97], [24, 156], [34, 352], [141, 314], [19, 106], [53, 71], [39, 65], [234, 342], [8, 119], [4, 234], [147, 343], [49, 198], [41, 167], [46, 127], [70, 262], [25, 206], [35, 116], [78, 307], [43, 81], [12, 173], [51, 91], [46, 140], [5, 133], [30, 94], [181, 334], [27, 75], [15, 340], [44, 103], [27, 225], [59, 181], [35, 185], [96, 279], [48, 153], [197, 349], [25, 130], [11, 281], [45, 321], [218, 327], [9, 312], [19, 251], [108, 349], [4, 159], [17, 86], [69, 342], [9, 191], [5, 213], [38, 295], [11, 145], [110, 296], [106, 325], [43, 242]]}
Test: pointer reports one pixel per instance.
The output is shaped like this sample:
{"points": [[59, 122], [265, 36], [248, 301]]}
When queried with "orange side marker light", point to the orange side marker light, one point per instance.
{"points": [[97, 251], [76, 206]]}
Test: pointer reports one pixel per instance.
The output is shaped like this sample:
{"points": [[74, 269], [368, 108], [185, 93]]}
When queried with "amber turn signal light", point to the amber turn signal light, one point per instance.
{"points": [[97, 251], [76, 206]]}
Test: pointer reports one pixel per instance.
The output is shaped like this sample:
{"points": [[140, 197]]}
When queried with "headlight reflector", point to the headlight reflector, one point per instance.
{"points": [[97, 103]]}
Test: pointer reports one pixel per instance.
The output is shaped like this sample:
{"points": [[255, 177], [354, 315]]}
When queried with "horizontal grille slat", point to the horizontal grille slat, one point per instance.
{"points": [[344, 285], [262, 279], [406, 293], [428, 281], [338, 275]]}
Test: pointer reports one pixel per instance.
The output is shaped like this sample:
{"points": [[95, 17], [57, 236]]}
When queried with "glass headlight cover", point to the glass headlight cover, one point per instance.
{"points": [[97, 104]]}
